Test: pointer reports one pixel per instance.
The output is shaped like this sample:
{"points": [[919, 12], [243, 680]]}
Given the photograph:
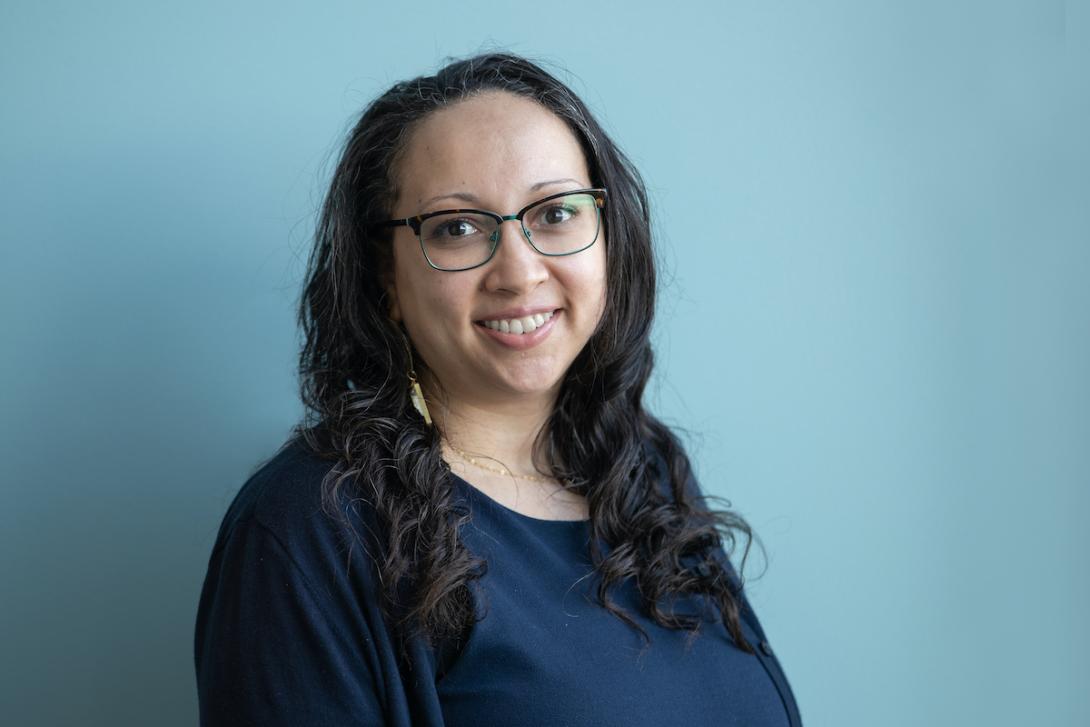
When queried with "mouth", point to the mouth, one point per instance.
{"points": [[520, 334], [519, 326]]}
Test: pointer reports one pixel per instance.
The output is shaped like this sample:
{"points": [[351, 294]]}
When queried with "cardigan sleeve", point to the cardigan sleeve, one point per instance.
{"points": [[272, 649]]}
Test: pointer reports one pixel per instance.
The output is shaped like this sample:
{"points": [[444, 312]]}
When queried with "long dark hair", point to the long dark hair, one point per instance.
{"points": [[599, 439]]}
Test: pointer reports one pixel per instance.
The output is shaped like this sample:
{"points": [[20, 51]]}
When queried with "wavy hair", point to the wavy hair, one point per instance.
{"points": [[599, 440]]}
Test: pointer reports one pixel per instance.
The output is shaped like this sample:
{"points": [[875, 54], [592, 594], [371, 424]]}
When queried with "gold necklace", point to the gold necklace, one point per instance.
{"points": [[505, 471]]}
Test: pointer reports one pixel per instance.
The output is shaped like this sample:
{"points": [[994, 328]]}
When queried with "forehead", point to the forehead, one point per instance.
{"points": [[494, 146]]}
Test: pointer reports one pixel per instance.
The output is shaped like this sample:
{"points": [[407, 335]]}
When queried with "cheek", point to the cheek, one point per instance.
{"points": [[587, 284], [435, 303]]}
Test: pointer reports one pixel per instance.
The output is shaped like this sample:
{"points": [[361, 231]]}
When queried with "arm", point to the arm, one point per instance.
{"points": [[272, 648]]}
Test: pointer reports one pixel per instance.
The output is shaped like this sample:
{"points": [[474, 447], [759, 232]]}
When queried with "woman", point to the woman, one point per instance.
{"points": [[479, 523]]}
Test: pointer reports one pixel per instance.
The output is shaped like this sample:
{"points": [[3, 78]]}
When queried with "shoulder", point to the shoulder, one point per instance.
{"points": [[665, 458], [284, 498], [676, 480]]}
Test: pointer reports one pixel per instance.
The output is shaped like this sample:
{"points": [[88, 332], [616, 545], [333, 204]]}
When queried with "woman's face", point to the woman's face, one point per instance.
{"points": [[499, 152]]}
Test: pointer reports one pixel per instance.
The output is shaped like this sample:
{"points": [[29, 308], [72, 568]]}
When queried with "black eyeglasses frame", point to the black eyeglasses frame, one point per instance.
{"points": [[416, 221]]}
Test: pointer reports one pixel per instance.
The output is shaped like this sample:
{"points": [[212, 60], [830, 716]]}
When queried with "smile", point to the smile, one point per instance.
{"points": [[520, 334], [519, 326]]}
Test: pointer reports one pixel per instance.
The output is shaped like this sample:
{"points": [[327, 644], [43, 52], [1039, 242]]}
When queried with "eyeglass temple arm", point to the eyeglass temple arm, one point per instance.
{"points": [[411, 222]]}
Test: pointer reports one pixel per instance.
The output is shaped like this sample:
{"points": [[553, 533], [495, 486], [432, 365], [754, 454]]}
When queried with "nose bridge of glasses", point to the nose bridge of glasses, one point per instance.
{"points": [[500, 219]]}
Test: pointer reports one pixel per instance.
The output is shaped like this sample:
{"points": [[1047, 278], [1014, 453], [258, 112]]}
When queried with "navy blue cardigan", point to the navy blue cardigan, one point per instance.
{"points": [[290, 632]]}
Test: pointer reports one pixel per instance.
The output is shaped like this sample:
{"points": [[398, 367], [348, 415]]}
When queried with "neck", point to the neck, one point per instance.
{"points": [[501, 430]]}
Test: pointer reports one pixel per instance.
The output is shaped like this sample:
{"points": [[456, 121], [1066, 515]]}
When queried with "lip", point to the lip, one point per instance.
{"points": [[521, 341]]}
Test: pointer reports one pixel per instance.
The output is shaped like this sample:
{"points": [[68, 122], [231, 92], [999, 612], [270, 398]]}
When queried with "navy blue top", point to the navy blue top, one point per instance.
{"points": [[289, 630]]}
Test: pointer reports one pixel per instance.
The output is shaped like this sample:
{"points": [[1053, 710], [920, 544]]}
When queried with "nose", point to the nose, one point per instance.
{"points": [[516, 267]]}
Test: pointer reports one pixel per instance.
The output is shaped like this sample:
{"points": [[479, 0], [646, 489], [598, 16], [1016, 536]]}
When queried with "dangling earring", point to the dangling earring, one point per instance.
{"points": [[418, 398], [415, 392]]}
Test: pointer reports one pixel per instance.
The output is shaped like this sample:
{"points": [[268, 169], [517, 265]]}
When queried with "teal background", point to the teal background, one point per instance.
{"points": [[875, 320]]}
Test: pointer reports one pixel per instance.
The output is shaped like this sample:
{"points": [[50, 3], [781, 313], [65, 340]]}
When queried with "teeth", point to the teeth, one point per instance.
{"points": [[529, 324]]}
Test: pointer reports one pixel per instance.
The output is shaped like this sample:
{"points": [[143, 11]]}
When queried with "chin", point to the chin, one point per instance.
{"points": [[533, 385], [534, 389]]}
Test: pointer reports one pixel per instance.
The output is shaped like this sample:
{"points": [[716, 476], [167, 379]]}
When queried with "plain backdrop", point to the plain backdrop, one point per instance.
{"points": [[874, 227]]}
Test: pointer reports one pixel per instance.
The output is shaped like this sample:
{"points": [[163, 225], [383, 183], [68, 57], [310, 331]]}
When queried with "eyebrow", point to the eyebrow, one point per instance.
{"points": [[474, 199]]}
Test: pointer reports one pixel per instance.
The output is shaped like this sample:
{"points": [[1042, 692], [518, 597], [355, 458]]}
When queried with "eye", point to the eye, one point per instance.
{"points": [[458, 228], [453, 229], [557, 214]]}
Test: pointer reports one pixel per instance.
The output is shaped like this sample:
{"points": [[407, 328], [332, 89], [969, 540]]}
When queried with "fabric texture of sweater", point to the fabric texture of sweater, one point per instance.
{"points": [[290, 631]]}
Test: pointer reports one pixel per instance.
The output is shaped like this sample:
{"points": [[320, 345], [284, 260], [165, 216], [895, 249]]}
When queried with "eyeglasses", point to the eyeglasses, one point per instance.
{"points": [[463, 239]]}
